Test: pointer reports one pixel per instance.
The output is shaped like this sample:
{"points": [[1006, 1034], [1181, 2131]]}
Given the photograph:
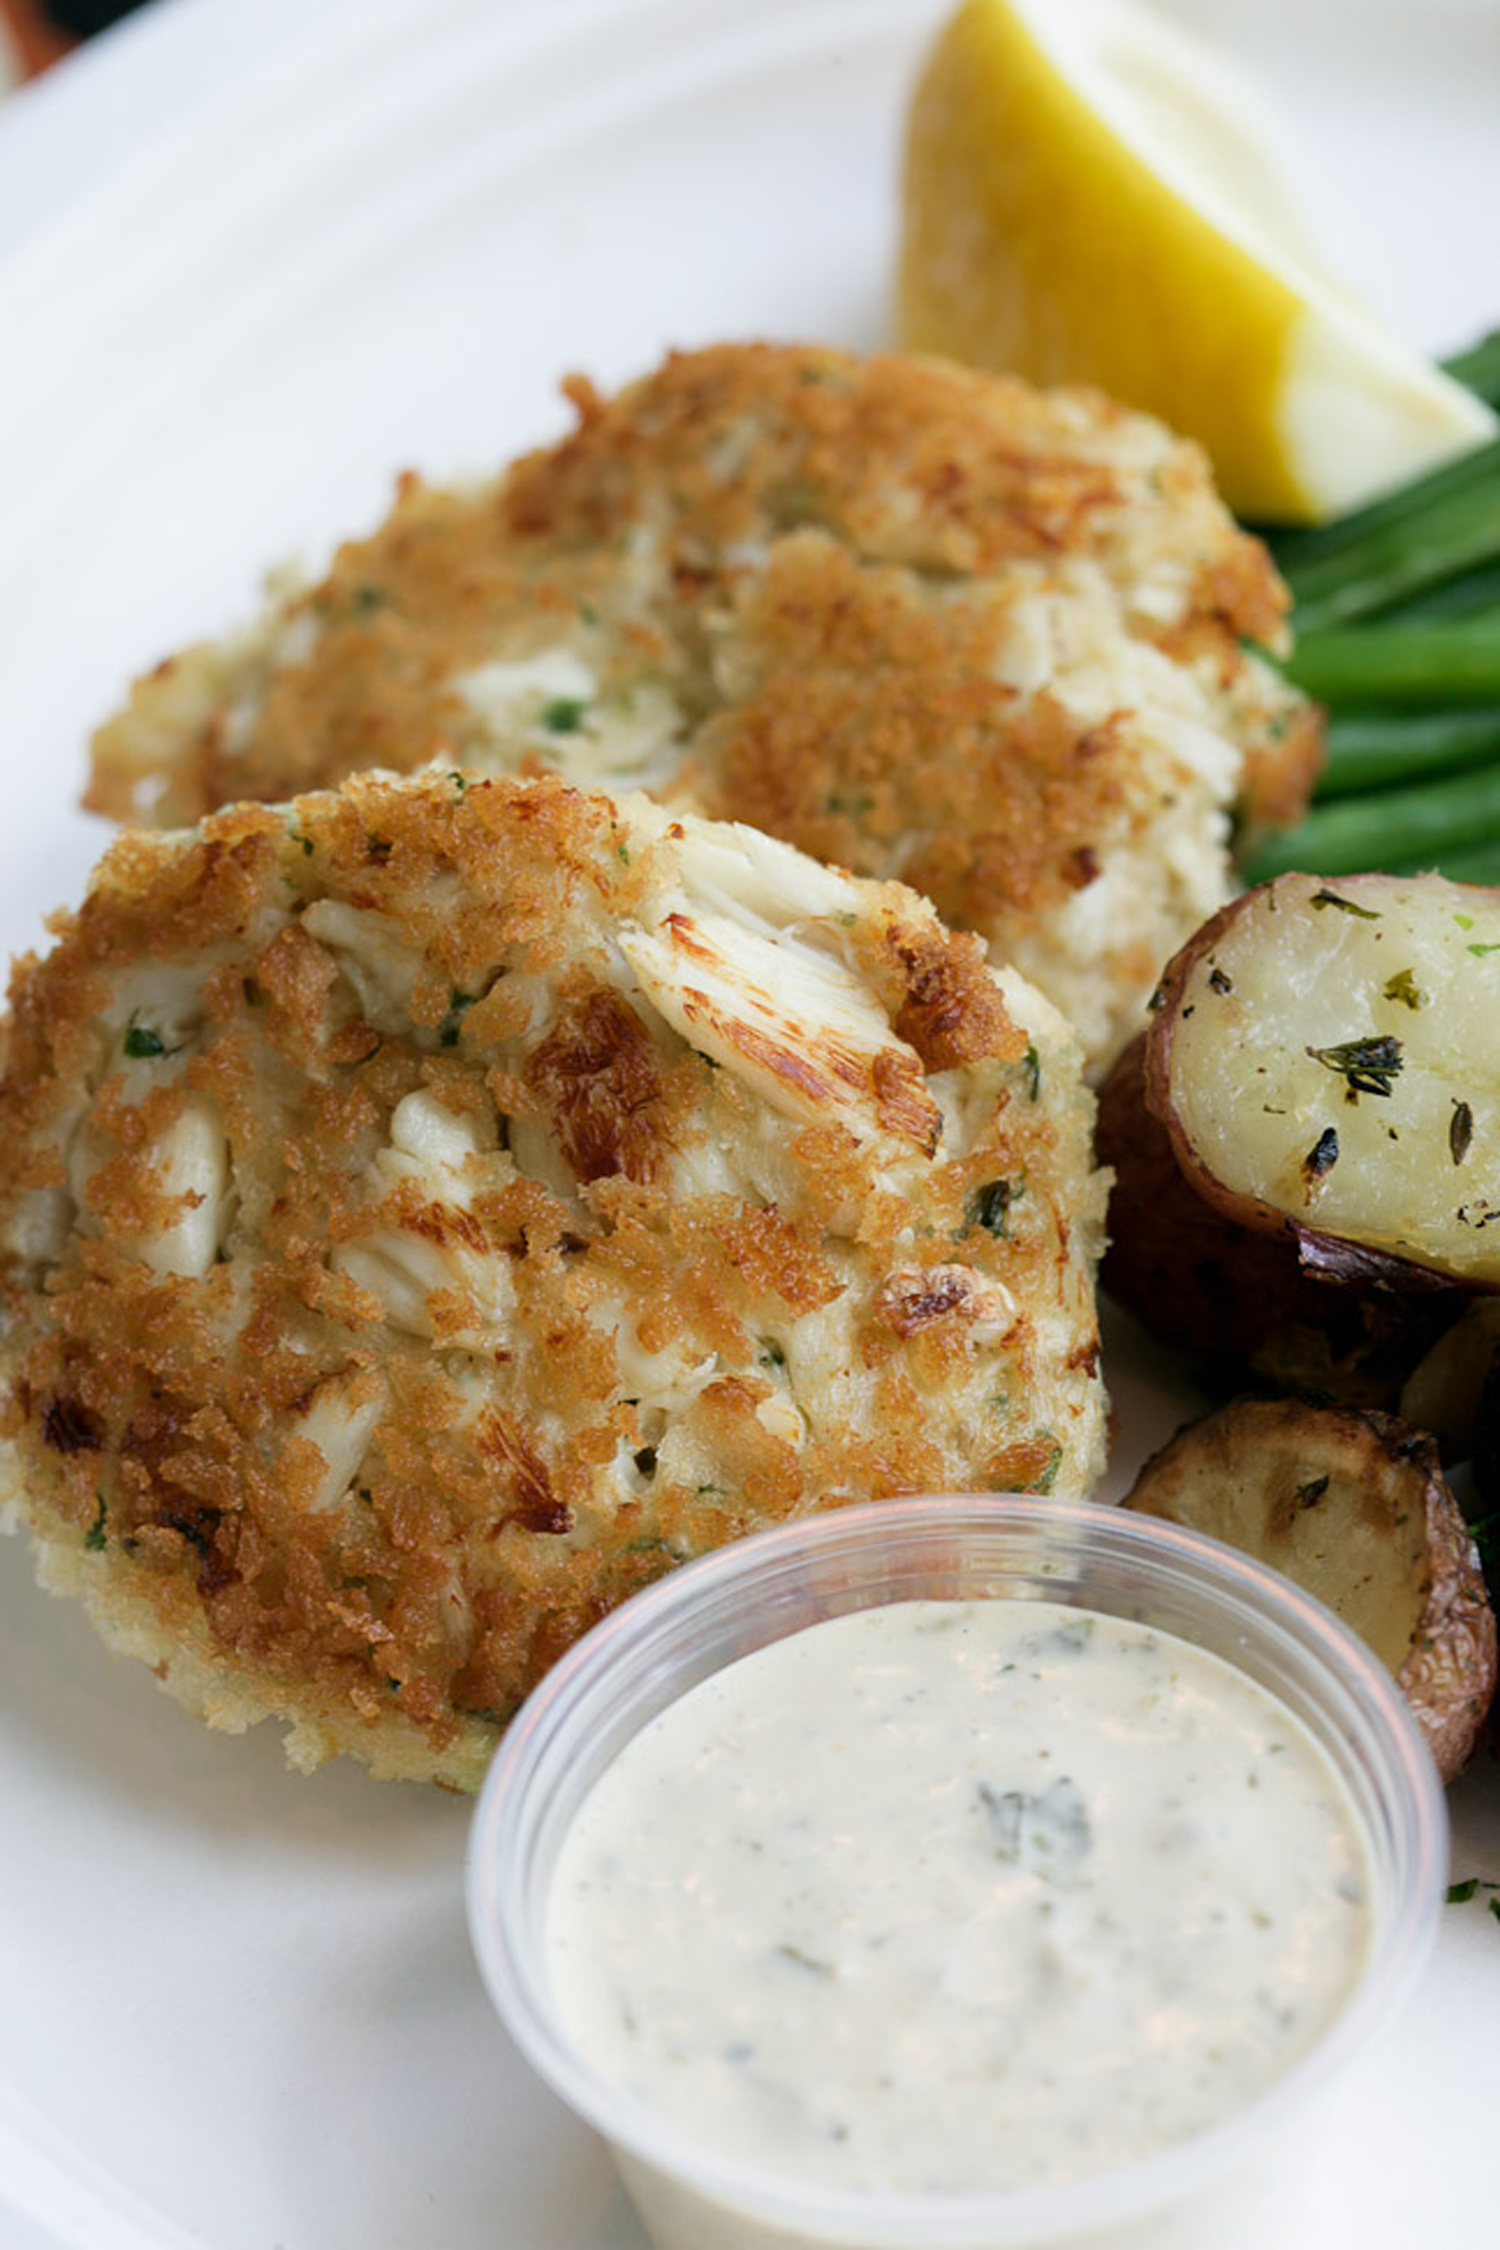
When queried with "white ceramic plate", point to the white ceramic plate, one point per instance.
{"points": [[254, 256]]}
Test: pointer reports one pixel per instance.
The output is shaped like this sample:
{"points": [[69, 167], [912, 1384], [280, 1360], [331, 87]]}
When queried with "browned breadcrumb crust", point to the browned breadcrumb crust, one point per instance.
{"points": [[819, 558], [664, 1293]]}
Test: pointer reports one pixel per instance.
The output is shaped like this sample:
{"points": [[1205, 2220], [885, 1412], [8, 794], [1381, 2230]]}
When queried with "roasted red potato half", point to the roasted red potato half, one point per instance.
{"points": [[1325, 1056], [1236, 1298], [1353, 1507]]}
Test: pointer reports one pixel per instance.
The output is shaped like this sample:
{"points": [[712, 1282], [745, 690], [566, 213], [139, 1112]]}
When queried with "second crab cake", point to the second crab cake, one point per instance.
{"points": [[436, 1208], [920, 621]]}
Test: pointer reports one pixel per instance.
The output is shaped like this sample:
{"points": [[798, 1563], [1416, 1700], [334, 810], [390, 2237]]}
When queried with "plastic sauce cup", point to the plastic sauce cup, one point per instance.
{"points": [[1224, 2188]]}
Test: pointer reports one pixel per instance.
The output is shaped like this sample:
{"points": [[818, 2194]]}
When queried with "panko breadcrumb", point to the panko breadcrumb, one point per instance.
{"points": [[436, 1208], [923, 622]]}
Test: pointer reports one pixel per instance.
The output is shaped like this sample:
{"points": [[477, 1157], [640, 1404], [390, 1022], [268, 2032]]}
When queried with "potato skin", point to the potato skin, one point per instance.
{"points": [[1453, 1391], [1352, 1506], [1235, 1297], [1166, 1008]]}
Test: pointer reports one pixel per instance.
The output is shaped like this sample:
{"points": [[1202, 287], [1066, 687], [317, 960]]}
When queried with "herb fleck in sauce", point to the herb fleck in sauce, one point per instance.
{"points": [[946, 1897]]}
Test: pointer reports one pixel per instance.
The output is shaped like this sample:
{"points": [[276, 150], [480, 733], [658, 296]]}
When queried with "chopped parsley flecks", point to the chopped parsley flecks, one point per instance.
{"points": [[1459, 1894], [565, 714], [1344, 905], [459, 1004], [93, 1538], [1031, 1063], [990, 1206], [1367, 1066], [1046, 1831], [1046, 1477], [141, 1043], [1403, 986]]}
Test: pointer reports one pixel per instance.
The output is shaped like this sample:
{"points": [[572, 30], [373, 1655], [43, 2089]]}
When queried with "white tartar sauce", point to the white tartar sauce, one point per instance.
{"points": [[947, 1897]]}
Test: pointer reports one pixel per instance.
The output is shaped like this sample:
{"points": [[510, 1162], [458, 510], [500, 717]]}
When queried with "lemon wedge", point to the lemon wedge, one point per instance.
{"points": [[1091, 195]]}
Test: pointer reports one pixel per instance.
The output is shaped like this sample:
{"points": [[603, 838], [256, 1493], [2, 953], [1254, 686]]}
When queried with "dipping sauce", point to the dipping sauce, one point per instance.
{"points": [[946, 1897]]}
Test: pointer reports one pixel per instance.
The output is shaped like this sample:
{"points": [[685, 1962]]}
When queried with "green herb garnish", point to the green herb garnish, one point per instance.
{"points": [[1344, 905], [1459, 1894], [1403, 987], [141, 1043], [459, 1004], [1367, 1066], [990, 1206]]}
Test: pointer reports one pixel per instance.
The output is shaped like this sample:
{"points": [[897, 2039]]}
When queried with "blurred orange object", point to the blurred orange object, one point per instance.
{"points": [[34, 41]]}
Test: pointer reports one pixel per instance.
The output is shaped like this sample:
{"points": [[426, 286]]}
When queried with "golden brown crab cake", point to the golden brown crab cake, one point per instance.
{"points": [[921, 621], [436, 1208]]}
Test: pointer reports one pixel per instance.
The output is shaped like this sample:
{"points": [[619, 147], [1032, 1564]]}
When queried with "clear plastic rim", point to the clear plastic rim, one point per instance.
{"points": [[1361, 1721]]}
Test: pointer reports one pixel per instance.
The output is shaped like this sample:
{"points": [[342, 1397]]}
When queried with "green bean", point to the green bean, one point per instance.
{"points": [[1370, 748], [1480, 864], [1478, 369], [1453, 534], [1384, 828], [1467, 595], [1452, 662], [1296, 550]]}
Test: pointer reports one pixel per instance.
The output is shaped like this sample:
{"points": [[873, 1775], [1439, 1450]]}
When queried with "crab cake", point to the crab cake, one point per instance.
{"points": [[921, 621], [434, 1209]]}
